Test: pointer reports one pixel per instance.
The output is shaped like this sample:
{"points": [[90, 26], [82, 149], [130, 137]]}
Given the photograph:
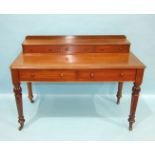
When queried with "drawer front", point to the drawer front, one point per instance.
{"points": [[41, 48], [107, 75], [71, 49], [112, 48], [47, 75]]}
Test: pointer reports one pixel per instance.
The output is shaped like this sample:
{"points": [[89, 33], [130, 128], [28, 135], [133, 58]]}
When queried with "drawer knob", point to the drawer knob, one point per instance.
{"points": [[120, 48], [30, 50], [61, 75], [92, 75], [102, 49], [122, 74], [66, 49], [32, 76], [87, 49], [50, 50]]}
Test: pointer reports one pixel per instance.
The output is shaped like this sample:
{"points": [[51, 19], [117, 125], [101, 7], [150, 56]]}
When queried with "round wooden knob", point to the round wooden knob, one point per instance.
{"points": [[30, 50], [66, 49], [120, 48], [50, 50], [122, 74], [101, 50], [91, 75], [32, 75], [61, 75]]}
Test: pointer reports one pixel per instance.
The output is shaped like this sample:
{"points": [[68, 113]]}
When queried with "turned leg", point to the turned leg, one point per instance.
{"points": [[134, 101], [18, 96], [119, 92], [30, 93]]}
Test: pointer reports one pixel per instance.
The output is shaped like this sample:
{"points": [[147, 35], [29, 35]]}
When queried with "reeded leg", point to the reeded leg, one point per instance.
{"points": [[134, 101], [119, 92], [19, 103], [30, 93]]}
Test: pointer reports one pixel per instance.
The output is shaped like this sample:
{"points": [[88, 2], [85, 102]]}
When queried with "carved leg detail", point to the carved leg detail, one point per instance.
{"points": [[19, 103], [119, 92], [134, 101], [30, 93]]}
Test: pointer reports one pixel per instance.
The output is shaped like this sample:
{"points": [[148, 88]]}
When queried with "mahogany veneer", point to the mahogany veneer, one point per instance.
{"points": [[77, 59]]}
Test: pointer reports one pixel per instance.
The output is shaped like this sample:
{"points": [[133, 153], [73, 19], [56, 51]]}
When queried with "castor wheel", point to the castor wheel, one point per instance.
{"points": [[130, 127], [32, 101], [21, 126]]}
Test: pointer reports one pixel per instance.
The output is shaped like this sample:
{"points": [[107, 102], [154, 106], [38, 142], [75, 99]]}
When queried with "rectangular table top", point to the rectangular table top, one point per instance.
{"points": [[77, 61]]}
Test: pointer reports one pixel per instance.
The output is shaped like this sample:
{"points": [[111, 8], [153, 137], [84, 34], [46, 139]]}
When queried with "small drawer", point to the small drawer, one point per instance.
{"points": [[41, 48], [112, 48], [107, 75], [47, 75], [71, 49]]}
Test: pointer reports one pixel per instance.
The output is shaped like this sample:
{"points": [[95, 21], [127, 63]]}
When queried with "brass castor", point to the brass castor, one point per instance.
{"points": [[21, 126], [130, 127], [31, 100], [118, 100]]}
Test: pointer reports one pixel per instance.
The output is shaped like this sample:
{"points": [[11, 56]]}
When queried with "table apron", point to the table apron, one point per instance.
{"points": [[84, 75]]}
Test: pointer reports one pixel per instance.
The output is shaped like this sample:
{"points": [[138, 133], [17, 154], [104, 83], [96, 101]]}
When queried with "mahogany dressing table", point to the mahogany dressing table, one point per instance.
{"points": [[102, 58]]}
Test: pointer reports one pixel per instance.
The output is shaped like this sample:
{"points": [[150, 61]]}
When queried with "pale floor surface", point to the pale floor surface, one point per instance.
{"points": [[77, 117]]}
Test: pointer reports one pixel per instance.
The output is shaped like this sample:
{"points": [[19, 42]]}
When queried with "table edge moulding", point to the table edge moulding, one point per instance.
{"points": [[71, 58]]}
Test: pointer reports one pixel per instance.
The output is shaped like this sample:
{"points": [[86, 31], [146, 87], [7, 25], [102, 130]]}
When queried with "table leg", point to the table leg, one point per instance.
{"points": [[19, 103], [30, 93], [119, 92], [134, 101]]}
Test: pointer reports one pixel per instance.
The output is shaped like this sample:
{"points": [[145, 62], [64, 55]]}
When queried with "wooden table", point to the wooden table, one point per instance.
{"points": [[77, 59]]}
